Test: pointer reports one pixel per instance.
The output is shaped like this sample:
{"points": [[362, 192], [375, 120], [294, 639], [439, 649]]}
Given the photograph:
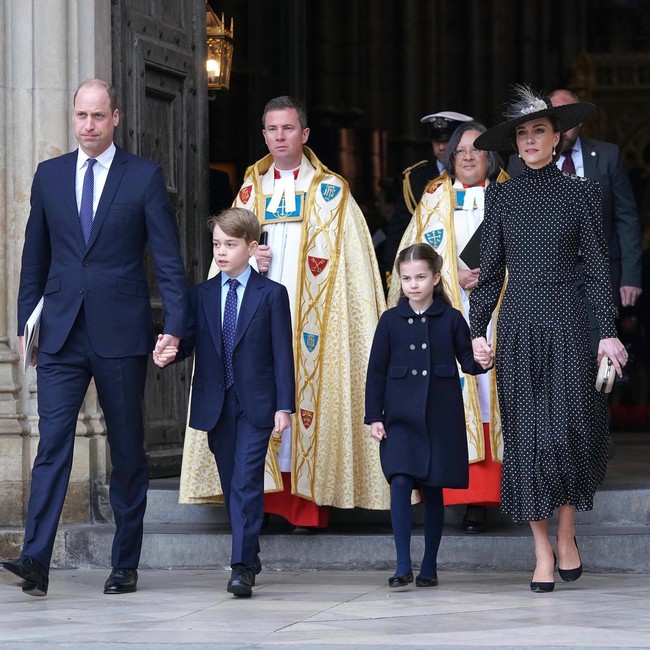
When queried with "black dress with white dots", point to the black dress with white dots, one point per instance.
{"points": [[555, 434]]}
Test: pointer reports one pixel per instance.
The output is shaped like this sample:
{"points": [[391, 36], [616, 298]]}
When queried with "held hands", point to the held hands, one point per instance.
{"points": [[483, 353], [616, 351], [468, 278], [165, 350], [377, 431], [263, 258]]}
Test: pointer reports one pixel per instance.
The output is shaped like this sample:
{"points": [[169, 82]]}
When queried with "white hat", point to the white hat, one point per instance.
{"points": [[448, 116], [441, 125]]}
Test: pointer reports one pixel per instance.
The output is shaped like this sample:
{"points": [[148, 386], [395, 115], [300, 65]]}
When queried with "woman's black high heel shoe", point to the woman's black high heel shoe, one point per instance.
{"points": [[400, 581], [571, 575], [544, 587]]}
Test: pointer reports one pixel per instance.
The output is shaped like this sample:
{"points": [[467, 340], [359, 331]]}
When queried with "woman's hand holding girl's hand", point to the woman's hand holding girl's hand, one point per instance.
{"points": [[377, 431], [483, 354]]}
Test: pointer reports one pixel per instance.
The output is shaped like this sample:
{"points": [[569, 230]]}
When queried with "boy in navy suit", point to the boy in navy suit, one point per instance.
{"points": [[243, 385]]}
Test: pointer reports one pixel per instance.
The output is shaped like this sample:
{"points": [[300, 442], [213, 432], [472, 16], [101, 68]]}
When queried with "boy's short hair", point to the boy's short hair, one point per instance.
{"points": [[237, 222]]}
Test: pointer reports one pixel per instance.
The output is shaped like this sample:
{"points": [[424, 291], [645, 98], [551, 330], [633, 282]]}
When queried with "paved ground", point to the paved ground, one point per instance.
{"points": [[190, 608]]}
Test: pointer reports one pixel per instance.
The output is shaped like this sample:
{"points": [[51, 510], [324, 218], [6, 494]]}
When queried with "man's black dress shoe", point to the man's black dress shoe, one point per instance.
{"points": [[26, 573], [421, 581], [241, 582], [475, 520], [400, 581], [571, 575], [122, 581]]}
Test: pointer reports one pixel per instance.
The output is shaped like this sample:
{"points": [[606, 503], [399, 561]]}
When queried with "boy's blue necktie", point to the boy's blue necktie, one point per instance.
{"points": [[228, 330]]}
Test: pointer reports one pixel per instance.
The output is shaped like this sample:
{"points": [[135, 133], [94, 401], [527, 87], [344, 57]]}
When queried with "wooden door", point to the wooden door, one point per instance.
{"points": [[158, 71]]}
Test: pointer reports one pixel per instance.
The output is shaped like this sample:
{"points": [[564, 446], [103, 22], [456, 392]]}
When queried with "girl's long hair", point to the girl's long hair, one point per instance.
{"points": [[434, 261]]}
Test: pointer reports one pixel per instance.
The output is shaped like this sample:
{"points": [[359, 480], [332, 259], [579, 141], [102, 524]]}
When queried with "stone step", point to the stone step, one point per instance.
{"points": [[611, 507], [603, 548], [615, 536]]}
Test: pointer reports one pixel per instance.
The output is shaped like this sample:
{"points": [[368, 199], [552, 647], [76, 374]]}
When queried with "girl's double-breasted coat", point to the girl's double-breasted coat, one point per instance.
{"points": [[413, 387]]}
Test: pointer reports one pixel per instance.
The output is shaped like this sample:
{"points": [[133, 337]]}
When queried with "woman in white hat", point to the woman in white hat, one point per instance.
{"points": [[536, 225]]}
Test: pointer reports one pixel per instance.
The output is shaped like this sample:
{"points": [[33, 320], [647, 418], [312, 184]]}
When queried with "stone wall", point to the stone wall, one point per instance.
{"points": [[47, 49]]}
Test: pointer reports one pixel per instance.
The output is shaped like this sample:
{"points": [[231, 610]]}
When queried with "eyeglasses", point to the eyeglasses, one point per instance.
{"points": [[461, 153]]}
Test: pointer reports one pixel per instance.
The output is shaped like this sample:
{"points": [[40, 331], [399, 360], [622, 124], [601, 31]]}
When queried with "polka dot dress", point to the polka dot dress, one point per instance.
{"points": [[555, 434]]}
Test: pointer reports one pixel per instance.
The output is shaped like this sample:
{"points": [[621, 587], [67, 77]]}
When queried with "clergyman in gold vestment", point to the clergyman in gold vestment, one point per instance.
{"points": [[320, 248]]}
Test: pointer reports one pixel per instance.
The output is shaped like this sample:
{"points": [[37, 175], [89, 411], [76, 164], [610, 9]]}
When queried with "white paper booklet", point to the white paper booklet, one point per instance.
{"points": [[31, 333]]}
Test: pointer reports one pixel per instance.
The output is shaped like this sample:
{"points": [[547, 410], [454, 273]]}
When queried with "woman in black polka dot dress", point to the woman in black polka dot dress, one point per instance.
{"points": [[536, 225]]}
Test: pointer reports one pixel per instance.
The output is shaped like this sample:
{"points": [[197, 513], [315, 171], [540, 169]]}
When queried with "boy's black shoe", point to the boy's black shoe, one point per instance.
{"points": [[241, 582]]}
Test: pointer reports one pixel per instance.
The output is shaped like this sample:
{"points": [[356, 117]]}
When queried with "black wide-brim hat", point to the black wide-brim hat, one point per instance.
{"points": [[526, 107]]}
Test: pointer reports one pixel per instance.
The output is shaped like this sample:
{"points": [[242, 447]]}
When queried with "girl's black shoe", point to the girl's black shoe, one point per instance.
{"points": [[421, 581], [400, 581]]}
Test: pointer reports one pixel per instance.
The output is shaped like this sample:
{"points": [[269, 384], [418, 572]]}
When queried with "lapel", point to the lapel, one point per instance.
{"points": [[589, 157], [115, 173], [69, 171], [252, 297], [212, 310]]}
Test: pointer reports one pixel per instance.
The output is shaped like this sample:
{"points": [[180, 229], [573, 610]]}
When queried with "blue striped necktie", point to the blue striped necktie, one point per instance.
{"points": [[86, 206]]}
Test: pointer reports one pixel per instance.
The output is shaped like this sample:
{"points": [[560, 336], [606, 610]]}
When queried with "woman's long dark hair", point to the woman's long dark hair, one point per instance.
{"points": [[434, 262]]}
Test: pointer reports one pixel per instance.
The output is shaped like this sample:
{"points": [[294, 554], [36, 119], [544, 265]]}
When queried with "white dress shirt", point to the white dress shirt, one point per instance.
{"points": [[100, 173]]}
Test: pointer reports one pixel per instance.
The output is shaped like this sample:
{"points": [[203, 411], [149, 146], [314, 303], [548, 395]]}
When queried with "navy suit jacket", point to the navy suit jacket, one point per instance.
{"points": [[108, 276], [262, 356], [602, 161]]}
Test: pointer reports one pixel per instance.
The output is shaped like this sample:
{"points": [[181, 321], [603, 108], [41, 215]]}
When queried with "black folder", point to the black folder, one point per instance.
{"points": [[471, 254]]}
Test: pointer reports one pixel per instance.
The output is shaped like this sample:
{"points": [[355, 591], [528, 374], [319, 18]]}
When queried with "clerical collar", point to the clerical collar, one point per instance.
{"points": [[279, 173], [284, 189]]}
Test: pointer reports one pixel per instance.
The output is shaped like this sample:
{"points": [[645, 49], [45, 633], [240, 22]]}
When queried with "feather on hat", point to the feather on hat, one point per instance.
{"points": [[528, 106]]}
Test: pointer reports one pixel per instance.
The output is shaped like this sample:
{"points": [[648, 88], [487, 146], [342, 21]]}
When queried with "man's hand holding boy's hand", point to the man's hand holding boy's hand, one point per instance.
{"points": [[164, 354]]}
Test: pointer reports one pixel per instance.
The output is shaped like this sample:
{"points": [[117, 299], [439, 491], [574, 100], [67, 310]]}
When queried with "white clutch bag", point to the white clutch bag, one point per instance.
{"points": [[605, 376]]}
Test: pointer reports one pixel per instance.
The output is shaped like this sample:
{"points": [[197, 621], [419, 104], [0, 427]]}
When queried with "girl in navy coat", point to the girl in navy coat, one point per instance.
{"points": [[415, 407]]}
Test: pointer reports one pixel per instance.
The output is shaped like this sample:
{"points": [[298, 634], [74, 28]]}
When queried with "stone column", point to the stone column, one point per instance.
{"points": [[47, 49]]}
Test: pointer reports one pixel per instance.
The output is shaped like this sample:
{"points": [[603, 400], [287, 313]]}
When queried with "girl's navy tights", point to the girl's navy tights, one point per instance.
{"points": [[401, 514]]}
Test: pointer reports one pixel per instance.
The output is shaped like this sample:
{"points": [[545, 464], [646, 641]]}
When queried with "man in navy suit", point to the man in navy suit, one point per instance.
{"points": [[93, 213], [244, 382], [602, 162]]}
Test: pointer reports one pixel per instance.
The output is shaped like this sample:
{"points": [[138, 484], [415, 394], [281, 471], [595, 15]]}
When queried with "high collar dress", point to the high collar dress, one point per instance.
{"points": [[537, 226]]}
